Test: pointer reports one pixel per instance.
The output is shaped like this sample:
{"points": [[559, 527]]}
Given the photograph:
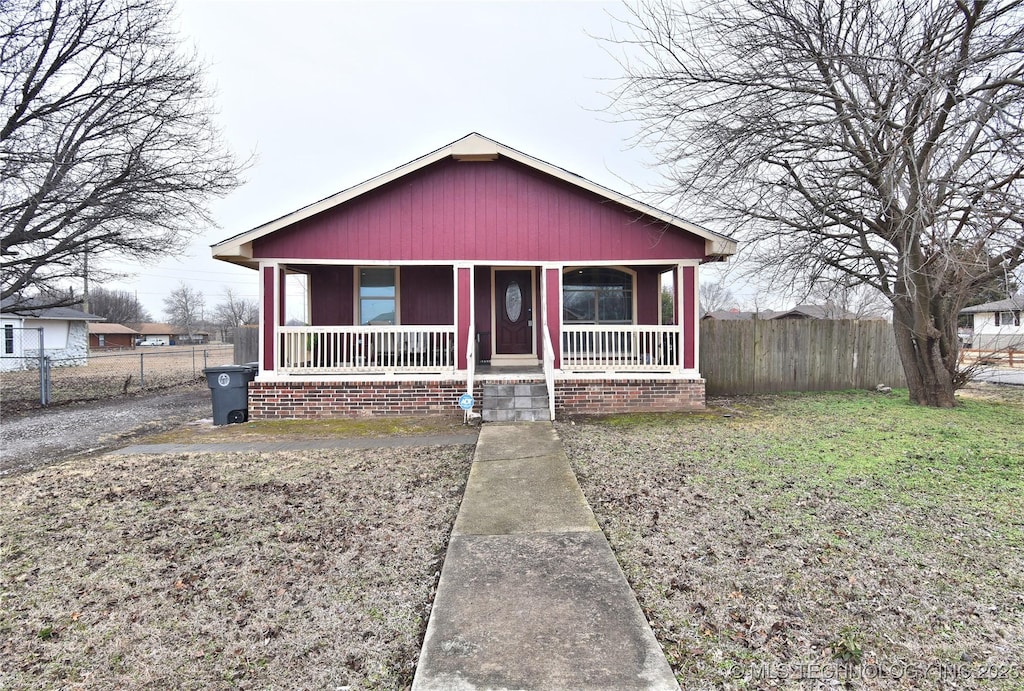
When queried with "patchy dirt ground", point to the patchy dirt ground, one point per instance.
{"points": [[224, 571], [32, 439], [811, 542]]}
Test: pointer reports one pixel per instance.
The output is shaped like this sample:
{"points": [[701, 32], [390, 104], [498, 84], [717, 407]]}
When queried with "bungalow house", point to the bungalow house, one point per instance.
{"points": [[997, 325], [476, 269], [63, 331], [107, 336]]}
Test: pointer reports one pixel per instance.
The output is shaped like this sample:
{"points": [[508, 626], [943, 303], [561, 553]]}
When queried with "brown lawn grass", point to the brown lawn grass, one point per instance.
{"points": [[284, 570]]}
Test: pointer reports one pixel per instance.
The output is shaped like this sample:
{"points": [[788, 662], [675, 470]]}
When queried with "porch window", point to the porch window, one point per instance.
{"points": [[378, 296], [597, 296]]}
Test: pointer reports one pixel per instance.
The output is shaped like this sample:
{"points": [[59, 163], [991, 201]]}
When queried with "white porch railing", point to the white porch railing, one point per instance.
{"points": [[620, 348], [366, 349]]}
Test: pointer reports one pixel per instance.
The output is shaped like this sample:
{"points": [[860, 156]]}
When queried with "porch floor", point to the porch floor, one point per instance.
{"points": [[512, 373]]}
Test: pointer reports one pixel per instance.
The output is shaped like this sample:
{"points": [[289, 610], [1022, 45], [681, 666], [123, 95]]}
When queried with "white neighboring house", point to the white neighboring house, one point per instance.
{"points": [[65, 335], [998, 325]]}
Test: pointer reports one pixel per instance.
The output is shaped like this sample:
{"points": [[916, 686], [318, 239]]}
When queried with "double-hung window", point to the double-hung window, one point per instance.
{"points": [[378, 296]]}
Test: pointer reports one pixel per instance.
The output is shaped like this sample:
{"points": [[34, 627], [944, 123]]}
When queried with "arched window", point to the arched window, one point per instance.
{"points": [[597, 296]]}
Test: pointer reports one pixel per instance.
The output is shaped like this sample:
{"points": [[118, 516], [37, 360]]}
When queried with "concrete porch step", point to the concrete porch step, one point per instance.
{"points": [[519, 402]]}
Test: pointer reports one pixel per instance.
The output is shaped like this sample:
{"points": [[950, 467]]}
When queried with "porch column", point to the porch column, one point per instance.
{"points": [[688, 314], [463, 313], [271, 311], [551, 295]]}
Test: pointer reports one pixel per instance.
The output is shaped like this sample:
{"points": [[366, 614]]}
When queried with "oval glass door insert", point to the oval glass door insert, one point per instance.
{"points": [[513, 302]]}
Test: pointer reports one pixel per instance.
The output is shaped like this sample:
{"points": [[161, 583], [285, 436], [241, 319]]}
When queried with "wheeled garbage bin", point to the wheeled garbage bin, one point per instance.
{"points": [[229, 386]]}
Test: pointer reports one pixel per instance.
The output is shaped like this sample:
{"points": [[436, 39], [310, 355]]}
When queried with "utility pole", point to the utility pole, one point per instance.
{"points": [[85, 287]]}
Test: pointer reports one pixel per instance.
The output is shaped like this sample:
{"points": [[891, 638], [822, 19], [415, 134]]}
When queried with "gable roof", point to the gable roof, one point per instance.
{"points": [[812, 312], [1008, 305], [27, 309], [472, 147], [730, 315], [111, 328]]}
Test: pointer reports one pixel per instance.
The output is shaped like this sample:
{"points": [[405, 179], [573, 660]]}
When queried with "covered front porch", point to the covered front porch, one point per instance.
{"points": [[458, 326]]}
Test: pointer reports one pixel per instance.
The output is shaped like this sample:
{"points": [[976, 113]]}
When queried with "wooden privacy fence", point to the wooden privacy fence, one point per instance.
{"points": [[765, 356], [246, 340]]}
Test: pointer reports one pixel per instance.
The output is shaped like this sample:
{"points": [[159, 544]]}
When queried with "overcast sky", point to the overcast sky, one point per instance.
{"points": [[327, 94]]}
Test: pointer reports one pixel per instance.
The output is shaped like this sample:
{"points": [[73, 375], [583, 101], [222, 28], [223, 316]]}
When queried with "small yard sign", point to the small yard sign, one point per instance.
{"points": [[466, 401]]}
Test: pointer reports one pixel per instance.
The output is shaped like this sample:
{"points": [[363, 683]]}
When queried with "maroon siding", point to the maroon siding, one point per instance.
{"points": [[690, 315], [427, 295], [648, 294], [482, 298], [331, 294], [499, 210], [268, 360], [464, 280]]}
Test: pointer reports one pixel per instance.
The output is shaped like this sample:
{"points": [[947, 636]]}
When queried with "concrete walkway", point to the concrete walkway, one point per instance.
{"points": [[530, 595]]}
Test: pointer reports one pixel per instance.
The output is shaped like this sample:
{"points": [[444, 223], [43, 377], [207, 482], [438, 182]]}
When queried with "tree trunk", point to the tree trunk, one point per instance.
{"points": [[921, 353]]}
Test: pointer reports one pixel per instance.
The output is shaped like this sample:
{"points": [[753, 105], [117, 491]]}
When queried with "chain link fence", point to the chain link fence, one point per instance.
{"points": [[25, 384]]}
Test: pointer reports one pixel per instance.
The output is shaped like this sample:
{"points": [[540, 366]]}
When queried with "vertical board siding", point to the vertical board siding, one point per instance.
{"points": [[267, 318], [331, 294], [689, 315], [498, 210], [426, 295], [464, 277], [770, 356]]}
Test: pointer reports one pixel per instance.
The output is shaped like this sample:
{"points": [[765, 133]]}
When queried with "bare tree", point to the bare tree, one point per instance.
{"points": [[118, 306], [185, 307], [234, 311], [876, 140], [715, 296], [107, 148]]}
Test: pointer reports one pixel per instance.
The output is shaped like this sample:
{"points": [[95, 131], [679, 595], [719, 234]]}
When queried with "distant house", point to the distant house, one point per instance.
{"points": [[106, 336], [61, 332], [798, 312], [152, 334], [812, 312], [730, 315], [997, 325]]}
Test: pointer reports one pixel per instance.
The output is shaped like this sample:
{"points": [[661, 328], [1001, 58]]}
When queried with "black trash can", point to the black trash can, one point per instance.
{"points": [[229, 386]]}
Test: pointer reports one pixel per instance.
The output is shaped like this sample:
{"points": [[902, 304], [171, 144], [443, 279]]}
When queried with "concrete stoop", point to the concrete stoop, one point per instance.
{"points": [[530, 595], [519, 402]]}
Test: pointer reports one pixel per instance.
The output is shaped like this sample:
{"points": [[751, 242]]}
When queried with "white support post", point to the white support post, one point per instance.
{"points": [[681, 315]]}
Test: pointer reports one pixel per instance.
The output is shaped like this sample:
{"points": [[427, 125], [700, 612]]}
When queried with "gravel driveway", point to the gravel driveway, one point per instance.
{"points": [[43, 437]]}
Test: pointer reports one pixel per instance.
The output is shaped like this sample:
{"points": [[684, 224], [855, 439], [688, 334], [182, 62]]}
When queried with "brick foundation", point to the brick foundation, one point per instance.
{"points": [[603, 396], [269, 400]]}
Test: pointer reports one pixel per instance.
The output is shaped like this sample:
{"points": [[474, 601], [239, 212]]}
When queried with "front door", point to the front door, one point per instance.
{"points": [[513, 312]]}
